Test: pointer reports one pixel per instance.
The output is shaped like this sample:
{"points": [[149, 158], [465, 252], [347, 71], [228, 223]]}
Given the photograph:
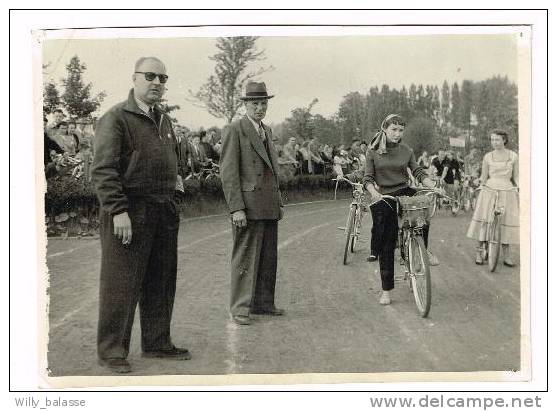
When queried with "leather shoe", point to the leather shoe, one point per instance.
{"points": [[174, 353], [273, 311], [372, 258], [509, 263], [241, 319], [117, 365]]}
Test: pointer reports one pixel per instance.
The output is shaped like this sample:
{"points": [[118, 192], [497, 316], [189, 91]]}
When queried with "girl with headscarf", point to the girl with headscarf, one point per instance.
{"points": [[387, 160]]}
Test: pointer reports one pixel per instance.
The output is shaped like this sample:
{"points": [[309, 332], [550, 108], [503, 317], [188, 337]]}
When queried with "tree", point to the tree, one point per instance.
{"points": [[77, 95], [445, 103], [220, 94], [51, 98], [455, 106], [167, 109], [496, 105], [467, 101], [300, 122], [352, 114], [421, 136]]}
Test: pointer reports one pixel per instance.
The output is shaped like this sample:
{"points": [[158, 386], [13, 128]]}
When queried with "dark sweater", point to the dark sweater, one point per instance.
{"points": [[388, 170]]}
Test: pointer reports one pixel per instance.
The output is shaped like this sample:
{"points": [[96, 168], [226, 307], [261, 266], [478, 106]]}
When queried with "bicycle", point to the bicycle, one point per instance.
{"points": [[493, 245], [208, 172], [414, 214], [468, 194], [355, 215]]}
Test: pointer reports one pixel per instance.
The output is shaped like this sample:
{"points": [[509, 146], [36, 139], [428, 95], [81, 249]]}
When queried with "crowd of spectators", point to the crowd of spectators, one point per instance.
{"points": [[311, 157], [67, 145], [70, 143]]}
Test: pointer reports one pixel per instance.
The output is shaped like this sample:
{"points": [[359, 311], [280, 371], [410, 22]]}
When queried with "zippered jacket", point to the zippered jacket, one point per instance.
{"points": [[134, 156]]}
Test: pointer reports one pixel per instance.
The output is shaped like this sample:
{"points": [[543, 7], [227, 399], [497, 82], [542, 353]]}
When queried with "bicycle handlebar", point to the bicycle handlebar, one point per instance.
{"points": [[357, 186], [342, 178], [385, 196]]}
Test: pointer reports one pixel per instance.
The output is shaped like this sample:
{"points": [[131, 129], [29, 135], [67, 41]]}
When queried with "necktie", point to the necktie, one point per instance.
{"points": [[152, 114], [263, 138]]}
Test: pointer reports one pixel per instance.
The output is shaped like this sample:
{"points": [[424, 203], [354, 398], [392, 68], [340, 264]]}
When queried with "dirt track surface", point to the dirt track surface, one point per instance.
{"points": [[333, 323]]}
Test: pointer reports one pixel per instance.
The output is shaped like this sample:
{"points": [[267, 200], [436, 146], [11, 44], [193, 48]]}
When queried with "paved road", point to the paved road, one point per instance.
{"points": [[333, 323]]}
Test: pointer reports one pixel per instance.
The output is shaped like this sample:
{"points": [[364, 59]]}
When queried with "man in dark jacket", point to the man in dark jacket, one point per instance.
{"points": [[249, 174], [135, 173], [50, 145]]}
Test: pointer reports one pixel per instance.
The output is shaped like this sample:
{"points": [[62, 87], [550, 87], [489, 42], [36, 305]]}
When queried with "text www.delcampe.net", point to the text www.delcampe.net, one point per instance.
{"points": [[440, 401]]}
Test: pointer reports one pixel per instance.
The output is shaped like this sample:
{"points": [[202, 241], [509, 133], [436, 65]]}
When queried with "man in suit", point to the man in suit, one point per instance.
{"points": [[249, 173], [135, 173], [198, 159]]}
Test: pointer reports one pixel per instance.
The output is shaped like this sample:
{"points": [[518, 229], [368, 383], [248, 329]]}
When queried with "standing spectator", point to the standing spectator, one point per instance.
{"points": [[299, 159], [327, 157], [436, 165], [249, 168], [315, 158], [339, 162], [499, 172], [50, 146], [307, 165], [57, 118], [363, 148], [207, 147], [451, 174], [198, 158], [185, 153], [72, 134], [64, 140], [423, 160], [289, 151], [218, 147], [135, 174], [84, 134]]}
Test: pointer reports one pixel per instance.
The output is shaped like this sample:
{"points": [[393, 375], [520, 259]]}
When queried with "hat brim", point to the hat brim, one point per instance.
{"points": [[246, 98]]}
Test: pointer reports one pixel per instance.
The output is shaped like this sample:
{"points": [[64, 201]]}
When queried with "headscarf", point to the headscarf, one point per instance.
{"points": [[379, 140]]}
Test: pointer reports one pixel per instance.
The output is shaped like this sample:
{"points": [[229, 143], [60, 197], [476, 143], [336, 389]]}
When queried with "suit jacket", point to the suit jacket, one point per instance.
{"points": [[249, 176]]}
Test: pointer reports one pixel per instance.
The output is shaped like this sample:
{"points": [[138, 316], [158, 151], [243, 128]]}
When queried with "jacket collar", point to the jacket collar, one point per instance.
{"points": [[131, 105], [256, 141]]}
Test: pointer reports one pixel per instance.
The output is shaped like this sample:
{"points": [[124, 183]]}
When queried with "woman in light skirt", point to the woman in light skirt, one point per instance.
{"points": [[499, 172]]}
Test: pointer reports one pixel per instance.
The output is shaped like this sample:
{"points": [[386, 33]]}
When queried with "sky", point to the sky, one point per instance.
{"points": [[303, 68]]}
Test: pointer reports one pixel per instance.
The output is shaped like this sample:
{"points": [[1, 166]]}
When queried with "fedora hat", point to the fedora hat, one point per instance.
{"points": [[255, 91]]}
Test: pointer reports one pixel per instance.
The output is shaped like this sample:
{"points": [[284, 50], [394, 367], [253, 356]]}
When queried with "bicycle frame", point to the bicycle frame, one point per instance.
{"points": [[355, 214], [491, 245]]}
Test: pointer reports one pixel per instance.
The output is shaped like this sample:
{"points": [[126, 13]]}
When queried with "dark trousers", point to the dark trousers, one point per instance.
{"points": [[376, 231], [384, 236], [143, 272], [254, 267]]}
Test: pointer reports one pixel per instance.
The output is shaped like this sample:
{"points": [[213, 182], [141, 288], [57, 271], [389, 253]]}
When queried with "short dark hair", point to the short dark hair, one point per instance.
{"points": [[62, 123], [500, 132], [58, 110], [395, 119]]}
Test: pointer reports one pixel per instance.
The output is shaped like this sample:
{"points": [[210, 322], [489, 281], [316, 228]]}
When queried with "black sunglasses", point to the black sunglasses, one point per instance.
{"points": [[150, 76]]}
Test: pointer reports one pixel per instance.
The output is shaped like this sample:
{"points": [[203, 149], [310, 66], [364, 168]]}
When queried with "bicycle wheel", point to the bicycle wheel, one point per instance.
{"points": [[356, 229], [349, 232], [420, 274], [494, 243]]}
